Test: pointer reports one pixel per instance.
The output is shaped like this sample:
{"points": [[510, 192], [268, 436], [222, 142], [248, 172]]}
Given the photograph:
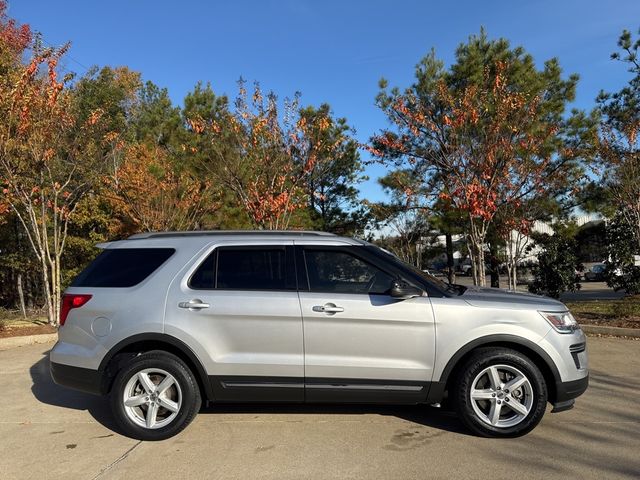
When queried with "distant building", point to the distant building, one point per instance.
{"points": [[591, 240]]}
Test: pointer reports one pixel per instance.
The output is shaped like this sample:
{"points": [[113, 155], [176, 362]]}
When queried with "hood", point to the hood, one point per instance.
{"points": [[499, 298]]}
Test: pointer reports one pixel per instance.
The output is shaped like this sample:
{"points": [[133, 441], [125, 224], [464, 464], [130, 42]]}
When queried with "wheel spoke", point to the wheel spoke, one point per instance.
{"points": [[494, 377], [485, 394], [515, 383], [165, 384], [168, 404], [152, 412], [517, 407], [494, 413], [146, 382], [136, 401]]}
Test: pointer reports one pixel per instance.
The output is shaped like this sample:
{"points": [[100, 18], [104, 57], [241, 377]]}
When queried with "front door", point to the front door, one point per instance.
{"points": [[240, 304], [360, 344]]}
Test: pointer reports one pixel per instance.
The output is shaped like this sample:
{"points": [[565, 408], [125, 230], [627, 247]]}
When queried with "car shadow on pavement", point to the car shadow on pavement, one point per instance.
{"points": [[423, 415], [46, 391]]}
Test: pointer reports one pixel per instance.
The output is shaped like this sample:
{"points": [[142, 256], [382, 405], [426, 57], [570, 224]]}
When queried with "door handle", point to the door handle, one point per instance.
{"points": [[328, 308], [195, 304]]}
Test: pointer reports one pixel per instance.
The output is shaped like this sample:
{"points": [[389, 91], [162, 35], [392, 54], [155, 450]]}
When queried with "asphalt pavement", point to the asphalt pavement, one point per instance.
{"points": [[48, 432]]}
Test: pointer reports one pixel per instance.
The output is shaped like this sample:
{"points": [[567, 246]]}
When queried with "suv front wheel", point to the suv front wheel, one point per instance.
{"points": [[500, 393], [155, 396]]}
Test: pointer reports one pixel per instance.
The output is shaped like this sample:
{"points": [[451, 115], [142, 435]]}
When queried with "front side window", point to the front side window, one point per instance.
{"points": [[242, 269], [340, 272]]}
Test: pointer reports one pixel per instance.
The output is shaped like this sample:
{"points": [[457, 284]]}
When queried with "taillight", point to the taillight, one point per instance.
{"points": [[70, 301]]}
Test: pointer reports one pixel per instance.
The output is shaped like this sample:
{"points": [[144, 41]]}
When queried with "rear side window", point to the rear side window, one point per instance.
{"points": [[249, 268], [122, 267]]}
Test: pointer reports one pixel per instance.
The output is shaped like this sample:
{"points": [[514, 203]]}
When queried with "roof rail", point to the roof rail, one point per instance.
{"points": [[202, 233]]}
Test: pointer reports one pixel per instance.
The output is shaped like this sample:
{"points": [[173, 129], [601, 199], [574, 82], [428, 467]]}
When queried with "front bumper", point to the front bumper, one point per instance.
{"points": [[570, 390], [77, 378], [567, 392]]}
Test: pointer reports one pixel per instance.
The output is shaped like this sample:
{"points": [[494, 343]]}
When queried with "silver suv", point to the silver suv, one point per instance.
{"points": [[163, 321]]}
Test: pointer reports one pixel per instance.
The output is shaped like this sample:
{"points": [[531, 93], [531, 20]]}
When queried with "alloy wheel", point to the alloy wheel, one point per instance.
{"points": [[152, 398], [501, 396]]}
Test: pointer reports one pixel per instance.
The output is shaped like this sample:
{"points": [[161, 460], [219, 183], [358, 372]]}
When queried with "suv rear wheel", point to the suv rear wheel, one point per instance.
{"points": [[155, 396], [500, 393]]}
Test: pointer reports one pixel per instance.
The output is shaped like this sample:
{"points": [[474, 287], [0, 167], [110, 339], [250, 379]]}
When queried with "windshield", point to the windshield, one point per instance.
{"points": [[439, 284]]}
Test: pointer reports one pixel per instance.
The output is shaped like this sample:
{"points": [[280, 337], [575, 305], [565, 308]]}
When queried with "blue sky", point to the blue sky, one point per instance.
{"points": [[332, 51]]}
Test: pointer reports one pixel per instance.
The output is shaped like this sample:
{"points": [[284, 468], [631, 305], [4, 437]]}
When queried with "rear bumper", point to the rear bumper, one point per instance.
{"points": [[566, 391], [77, 378]]}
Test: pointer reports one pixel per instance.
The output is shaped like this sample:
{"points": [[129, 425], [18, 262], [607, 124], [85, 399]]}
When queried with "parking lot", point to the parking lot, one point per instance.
{"points": [[587, 291], [50, 432]]}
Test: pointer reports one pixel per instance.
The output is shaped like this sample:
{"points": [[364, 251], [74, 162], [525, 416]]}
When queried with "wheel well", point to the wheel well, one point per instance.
{"points": [[124, 354], [535, 357]]}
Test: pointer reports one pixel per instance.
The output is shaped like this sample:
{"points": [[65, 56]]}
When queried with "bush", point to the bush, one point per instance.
{"points": [[621, 272], [555, 272]]}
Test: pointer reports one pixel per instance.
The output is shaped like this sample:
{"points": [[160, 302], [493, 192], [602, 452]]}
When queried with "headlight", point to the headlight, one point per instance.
{"points": [[563, 322]]}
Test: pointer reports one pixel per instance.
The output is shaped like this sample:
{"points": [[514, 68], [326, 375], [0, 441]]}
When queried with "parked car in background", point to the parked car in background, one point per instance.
{"points": [[595, 273], [164, 321]]}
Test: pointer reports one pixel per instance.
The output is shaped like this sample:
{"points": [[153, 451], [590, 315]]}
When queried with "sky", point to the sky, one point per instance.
{"points": [[331, 51]]}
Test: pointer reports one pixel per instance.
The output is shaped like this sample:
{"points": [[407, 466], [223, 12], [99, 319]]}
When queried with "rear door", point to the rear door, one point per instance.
{"points": [[361, 344], [240, 303]]}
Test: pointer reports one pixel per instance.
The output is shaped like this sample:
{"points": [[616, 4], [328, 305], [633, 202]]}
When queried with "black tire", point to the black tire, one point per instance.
{"points": [[509, 423], [184, 394]]}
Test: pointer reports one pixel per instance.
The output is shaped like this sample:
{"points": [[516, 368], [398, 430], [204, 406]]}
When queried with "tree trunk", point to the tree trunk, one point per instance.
{"points": [[21, 296], [476, 252], [46, 289], [451, 273], [495, 265]]}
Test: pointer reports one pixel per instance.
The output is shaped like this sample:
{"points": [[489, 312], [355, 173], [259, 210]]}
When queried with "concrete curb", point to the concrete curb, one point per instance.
{"points": [[12, 342], [616, 331]]}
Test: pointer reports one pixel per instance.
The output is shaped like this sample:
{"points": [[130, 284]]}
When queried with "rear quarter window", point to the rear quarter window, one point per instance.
{"points": [[122, 267]]}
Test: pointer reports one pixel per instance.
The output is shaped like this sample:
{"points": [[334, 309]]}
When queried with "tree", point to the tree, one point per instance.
{"points": [[155, 119], [150, 193], [264, 157], [622, 271], [555, 271], [617, 143], [47, 166], [490, 131], [113, 92], [403, 221], [330, 185]]}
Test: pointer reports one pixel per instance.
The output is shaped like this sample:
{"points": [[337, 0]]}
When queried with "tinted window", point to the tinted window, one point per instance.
{"points": [[205, 276], [340, 272], [242, 269], [122, 267]]}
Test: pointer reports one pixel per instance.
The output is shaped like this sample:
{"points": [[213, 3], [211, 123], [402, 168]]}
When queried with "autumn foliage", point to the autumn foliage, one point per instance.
{"points": [[148, 192], [265, 157], [478, 148], [46, 162]]}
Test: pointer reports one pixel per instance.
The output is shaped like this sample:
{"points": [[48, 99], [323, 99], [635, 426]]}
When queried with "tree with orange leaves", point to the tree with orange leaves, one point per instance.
{"points": [[46, 164], [265, 157], [149, 192], [487, 135]]}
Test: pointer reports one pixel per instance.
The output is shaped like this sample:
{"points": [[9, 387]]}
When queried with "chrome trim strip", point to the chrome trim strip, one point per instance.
{"points": [[328, 386], [402, 388], [262, 384]]}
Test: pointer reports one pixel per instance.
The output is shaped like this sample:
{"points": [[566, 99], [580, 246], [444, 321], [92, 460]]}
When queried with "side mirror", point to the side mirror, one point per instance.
{"points": [[402, 290]]}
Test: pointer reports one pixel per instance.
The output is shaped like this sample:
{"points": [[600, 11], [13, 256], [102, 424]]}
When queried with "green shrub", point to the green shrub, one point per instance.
{"points": [[621, 272], [555, 272]]}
